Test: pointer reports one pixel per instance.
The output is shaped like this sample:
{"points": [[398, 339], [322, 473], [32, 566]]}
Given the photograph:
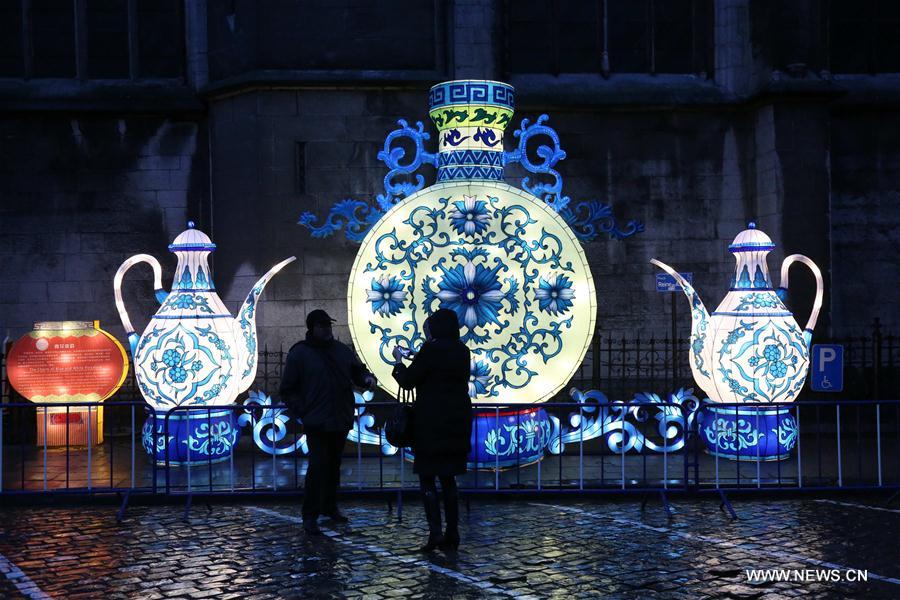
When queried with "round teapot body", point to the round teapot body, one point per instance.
{"points": [[187, 355], [756, 351]]}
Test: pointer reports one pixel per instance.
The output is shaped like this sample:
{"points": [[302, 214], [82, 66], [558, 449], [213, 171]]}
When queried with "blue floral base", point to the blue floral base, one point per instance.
{"points": [[749, 433], [508, 437], [192, 438], [505, 439]]}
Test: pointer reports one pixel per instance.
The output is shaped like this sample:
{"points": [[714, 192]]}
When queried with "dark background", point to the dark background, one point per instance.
{"points": [[122, 119]]}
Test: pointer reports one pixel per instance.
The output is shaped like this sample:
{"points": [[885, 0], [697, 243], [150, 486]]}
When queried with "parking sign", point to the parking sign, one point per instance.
{"points": [[827, 368]]}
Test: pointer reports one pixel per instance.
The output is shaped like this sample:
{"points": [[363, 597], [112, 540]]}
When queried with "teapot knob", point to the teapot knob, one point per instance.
{"points": [[751, 225], [191, 224]]}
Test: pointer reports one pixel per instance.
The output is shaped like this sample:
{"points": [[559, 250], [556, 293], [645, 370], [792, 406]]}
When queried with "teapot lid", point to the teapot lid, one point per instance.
{"points": [[191, 239], [751, 240]]}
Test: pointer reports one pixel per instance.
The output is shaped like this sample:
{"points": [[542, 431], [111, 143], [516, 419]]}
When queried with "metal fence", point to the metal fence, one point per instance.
{"points": [[624, 366], [609, 446], [585, 446]]}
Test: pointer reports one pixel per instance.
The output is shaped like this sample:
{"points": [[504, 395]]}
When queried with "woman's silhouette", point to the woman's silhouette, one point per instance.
{"points": [[442, 421]]}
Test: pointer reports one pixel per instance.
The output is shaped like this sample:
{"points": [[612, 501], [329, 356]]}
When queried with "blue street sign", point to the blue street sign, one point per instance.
{"points": [[667, 283], [827, 368]]}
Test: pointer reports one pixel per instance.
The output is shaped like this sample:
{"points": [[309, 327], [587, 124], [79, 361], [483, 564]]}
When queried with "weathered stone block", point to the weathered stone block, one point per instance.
{"points": [[277, 102]]}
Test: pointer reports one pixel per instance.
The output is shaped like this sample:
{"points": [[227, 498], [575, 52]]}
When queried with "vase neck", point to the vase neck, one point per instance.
{"points": [[192, 272], [751, 271], [470, 116]]}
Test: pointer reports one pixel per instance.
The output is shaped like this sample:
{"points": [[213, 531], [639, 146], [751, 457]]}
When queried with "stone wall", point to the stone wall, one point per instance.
{"points": [[691, 157], [79, 193], [865, 219]]}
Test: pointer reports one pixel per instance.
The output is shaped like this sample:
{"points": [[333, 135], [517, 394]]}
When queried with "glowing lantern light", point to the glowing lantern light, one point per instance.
{"points": [[504, 260], [750, 352], [192, 354], [67, 362]]}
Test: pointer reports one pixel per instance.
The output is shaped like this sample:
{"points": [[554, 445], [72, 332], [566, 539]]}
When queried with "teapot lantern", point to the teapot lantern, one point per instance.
{"points": [[750, 350], [193, 353]]}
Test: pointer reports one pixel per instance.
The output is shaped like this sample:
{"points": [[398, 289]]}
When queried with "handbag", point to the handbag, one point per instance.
{"points": [[399, 427]]}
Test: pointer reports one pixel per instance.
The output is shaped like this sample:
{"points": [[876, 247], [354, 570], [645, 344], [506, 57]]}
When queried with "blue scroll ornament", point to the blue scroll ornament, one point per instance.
{"points": [[622, 423], [593, 416], [587, 219], [270, 426], [357, 216]]}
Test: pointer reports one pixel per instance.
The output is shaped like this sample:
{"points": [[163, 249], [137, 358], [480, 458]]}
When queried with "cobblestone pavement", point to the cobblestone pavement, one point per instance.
{"points": [[554, 547]]}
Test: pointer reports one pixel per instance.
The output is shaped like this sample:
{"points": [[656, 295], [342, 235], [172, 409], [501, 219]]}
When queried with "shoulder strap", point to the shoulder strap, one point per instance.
{"points": [[329, 361]]}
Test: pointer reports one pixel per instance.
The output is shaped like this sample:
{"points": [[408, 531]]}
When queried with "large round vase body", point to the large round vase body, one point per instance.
{"points": [[504, 261], [750, 433], [195, 437]]}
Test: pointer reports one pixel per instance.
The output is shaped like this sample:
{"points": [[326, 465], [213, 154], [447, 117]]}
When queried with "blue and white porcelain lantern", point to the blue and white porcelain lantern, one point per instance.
{"points": [[503, 259], [193, 356], [507, 260], [750, 356]]}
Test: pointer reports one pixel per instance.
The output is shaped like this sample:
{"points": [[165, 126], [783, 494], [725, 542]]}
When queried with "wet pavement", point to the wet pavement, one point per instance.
{"points": [[538, 547]]}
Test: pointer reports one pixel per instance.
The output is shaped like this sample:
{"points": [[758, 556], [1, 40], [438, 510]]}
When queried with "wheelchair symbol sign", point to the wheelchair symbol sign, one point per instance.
{"points": [[827, 368]]}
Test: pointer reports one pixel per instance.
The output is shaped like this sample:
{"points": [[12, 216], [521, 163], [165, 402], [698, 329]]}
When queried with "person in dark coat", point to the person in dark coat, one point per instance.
{"points": [[442, 420], [317, 386]]}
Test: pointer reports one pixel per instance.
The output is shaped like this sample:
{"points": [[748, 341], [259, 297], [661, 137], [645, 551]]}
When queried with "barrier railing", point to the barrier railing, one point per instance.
{"points": [[522, 449], [72, 451], [577, 447], [833, 445]]}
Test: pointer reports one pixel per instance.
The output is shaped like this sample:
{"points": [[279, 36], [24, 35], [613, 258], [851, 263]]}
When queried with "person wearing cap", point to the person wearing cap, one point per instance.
{"points": [[317, 386]]}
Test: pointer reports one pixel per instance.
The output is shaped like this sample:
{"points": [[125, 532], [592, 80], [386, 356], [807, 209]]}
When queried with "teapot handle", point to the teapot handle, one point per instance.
{"points": [[817, 303], [117, 286]]}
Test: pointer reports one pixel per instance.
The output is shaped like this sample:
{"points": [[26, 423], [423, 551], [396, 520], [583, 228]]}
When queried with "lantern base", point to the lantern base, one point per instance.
{"points": [[75, 426], [198, 437], [748, 433], [508, 438]]}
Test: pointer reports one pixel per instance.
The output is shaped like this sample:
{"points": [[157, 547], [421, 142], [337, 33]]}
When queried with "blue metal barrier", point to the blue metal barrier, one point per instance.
{"points": [[585, 448]]}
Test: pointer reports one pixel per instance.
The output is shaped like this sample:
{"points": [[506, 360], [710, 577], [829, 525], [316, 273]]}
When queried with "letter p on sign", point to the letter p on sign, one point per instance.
{"points": [[827, 368]]}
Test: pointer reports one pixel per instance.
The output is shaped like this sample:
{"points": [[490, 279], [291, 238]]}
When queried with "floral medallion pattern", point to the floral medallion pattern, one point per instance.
{"points": [[470, 217], [555, 294], [386, 295], [764, 361], [759, 301], [473, 292], [479, 378], [182, 365], [504, 261]]}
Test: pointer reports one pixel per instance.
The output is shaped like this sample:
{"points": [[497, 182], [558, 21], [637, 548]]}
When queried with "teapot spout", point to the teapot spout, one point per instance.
{"points": [[701, 348], [245, 328]]}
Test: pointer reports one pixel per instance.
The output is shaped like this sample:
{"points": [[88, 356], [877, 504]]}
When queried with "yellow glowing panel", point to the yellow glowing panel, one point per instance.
{"points": [[505, 261]]}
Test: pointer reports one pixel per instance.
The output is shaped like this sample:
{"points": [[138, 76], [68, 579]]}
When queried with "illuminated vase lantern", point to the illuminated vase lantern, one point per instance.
{"points": [[193, 353], [71, 363], [506, 261], [750, 353]]}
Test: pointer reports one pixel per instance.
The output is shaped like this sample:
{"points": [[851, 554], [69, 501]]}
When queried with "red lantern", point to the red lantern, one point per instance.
{"points": [[67, 362]]}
